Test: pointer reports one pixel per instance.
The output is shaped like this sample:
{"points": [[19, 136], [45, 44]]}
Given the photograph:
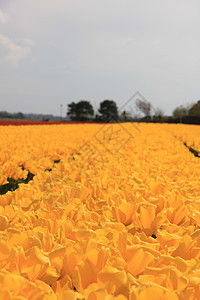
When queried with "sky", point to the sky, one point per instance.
{"points": [[55, 52]]}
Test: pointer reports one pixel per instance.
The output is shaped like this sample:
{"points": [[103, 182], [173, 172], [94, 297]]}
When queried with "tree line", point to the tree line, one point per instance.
{"points": [[7, 115], [83, 111], [192, 109], [188, 114], [143, 111]]}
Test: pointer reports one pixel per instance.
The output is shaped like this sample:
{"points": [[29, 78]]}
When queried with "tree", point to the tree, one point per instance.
{"points": [[179, 112], [5, 114], [158, 115], [72, 111], [81, 111], [126, 116], [195, 109], [144, 107], [19, 115], [108, 111], [184, 110], [158, 112]]}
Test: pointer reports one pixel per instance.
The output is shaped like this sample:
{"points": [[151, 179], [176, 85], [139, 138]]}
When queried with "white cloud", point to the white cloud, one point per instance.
{"points": [[16, 52], [24, 42], [3, 17], [28, 42]]}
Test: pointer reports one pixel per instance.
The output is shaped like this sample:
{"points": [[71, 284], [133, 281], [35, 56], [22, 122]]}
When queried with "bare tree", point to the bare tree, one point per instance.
{"points": [[144, 107]]}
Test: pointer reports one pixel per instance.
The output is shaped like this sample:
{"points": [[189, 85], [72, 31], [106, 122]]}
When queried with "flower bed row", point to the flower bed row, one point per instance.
{"points": [[26, 122]]}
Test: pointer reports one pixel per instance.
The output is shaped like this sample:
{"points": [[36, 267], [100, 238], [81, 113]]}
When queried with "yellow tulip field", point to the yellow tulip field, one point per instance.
{"points": [[93, 211]]}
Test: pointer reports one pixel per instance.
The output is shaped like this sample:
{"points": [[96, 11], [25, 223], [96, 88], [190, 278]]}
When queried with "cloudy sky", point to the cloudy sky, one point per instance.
{"points": [[54, 52]]}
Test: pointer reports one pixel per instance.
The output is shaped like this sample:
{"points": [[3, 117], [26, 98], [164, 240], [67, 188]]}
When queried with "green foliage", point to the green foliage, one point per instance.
{"points": [[13, 184], [180, 111], [195, 110], [6, 115], [187, 110], [192, 150], [108, 111], [81, 111]]}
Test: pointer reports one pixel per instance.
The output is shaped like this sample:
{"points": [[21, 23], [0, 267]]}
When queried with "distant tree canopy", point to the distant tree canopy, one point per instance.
{"points": [[182, 110], [7, 115], [108, 111], [126, 116], [72, 111], [81, 111], [195, 109], [158, 115]]}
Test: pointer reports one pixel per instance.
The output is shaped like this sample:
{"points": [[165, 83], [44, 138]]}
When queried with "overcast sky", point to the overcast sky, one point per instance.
{"points": [[54, 52]]}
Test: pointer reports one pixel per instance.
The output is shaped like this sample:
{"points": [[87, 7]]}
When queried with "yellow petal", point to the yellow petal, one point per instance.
{"points": [[50, 276], [84, 274], [70, 295], [3, 222], [147, 215], [151, 293], [112, 278]]}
